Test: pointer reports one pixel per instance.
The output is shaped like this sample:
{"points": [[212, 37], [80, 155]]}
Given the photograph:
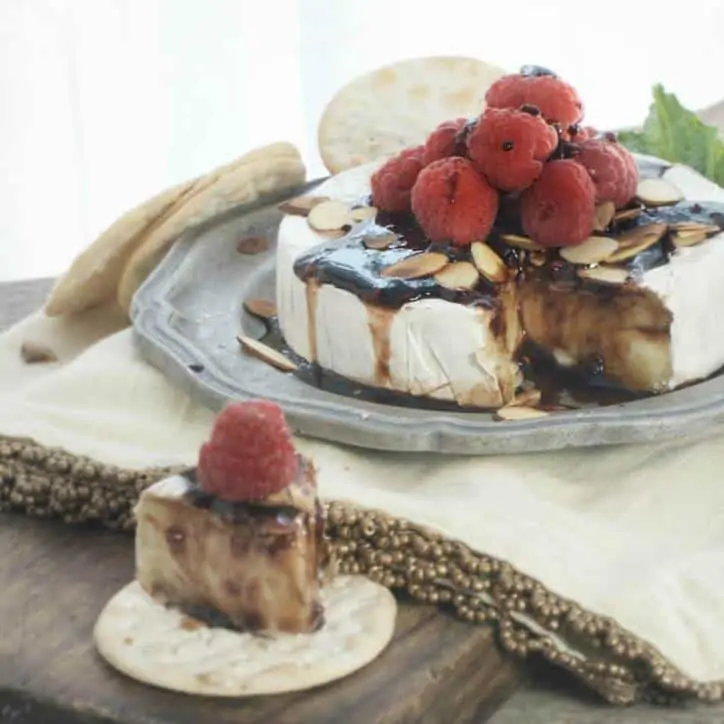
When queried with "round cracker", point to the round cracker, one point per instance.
{"points": [[396, 106], [162, 647]]}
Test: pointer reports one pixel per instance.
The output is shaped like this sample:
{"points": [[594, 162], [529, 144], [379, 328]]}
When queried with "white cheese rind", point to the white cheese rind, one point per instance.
{"points": [[691, 286], [437, 348]]}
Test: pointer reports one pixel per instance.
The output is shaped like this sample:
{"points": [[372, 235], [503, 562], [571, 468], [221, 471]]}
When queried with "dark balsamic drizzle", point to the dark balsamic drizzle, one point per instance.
{"points": [[282, 515]]}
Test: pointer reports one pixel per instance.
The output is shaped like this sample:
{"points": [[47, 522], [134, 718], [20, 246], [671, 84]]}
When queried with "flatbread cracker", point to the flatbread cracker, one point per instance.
{"points": [[244, 184], [164, 648], [93, 276], [396, 106]]}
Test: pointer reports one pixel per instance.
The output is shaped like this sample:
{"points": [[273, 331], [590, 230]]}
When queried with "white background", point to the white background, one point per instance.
{"points": [[105, 102]]}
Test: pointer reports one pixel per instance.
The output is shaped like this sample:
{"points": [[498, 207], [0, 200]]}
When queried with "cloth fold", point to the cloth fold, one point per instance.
{"points": [[630, 533]]}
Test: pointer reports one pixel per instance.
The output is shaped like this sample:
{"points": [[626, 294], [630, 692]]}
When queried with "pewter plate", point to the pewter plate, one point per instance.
{"points": [[189, 311]]}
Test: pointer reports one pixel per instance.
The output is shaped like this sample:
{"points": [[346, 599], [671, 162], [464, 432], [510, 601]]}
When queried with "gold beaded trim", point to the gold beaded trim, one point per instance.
{"points": [[529, 619]]}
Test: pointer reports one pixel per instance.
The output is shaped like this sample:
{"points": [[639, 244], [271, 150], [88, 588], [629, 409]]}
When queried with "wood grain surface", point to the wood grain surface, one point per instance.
{"points": [[55, 580], [58, 579]]}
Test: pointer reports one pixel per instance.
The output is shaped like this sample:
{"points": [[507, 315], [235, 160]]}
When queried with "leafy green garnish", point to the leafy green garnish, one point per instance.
{"points": [[678, 135]]}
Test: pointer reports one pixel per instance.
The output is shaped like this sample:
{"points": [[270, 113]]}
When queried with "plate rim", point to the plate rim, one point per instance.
{"points": [[694, 411]]}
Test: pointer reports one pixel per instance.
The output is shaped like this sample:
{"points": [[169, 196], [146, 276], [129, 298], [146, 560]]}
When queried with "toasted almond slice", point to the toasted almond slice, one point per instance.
{"points": [[329, 216], [629, 252], [458, 275], [519, 413], [259, 307], [603, 216], [658, 192], [379, 239], [627, 215], [266, 354], [521, 242], [417, 265], [488, 263], [683, 239], [363, 213], [591, 251], [301, 205], [639, 234], [687, 226], [252, 245], [526, 398], [605, 275], [34, 353]]}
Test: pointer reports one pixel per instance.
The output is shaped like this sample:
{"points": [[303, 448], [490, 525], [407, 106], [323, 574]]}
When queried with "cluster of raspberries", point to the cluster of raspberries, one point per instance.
{"points": [[528, 142]]}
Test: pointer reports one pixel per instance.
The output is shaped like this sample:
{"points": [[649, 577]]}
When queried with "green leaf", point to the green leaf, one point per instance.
{"points": [[676, 134]]}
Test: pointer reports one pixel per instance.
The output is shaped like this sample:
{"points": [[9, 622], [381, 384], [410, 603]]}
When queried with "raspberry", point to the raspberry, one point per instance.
{"points": [[579, 134], [507, 92], [250, 454], [611, 168], [510, 146], [393, 181], [453, 202], [442, 142], [558, 209], [557, 100]]}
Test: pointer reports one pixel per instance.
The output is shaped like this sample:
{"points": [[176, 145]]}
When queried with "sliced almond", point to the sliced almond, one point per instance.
{"points": [[629, 252], [252, 245], [526, 398], [521, 242], [682, 239], [259, 307], [266, 354], [689, 226], [644, 233], [627, 215], [301, 205], [363, 213], [417, 265], [519, 413], [603, 216], [488, 263], [379, 239], [458, 275], [591, 251], [329, 216], [658, 192], [605, 275], [34, 353]]}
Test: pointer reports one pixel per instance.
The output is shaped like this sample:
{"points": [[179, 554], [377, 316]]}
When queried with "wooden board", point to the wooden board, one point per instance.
{"points": [[55, 580]]}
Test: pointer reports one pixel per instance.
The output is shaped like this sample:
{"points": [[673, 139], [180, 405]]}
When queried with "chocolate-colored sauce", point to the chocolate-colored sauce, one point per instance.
{"points": [[275, 530], [348, 264]]}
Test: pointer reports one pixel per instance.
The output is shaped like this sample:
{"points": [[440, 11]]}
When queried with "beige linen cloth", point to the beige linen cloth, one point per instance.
{"points": [[633, 533]]}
